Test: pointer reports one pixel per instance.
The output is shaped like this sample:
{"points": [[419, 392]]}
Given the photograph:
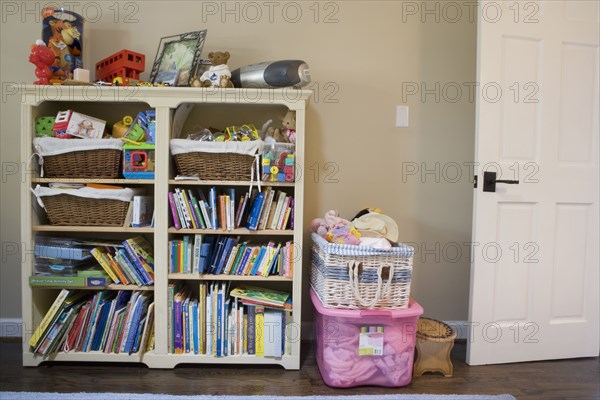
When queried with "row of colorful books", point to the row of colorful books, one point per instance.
{"points": [[211, 254], [128, 262], [217, 322], [267, 209], [106, 321]]}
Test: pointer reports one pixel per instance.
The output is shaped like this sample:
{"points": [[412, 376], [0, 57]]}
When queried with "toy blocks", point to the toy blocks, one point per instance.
{"points": [[278, 164], [125, 64]]}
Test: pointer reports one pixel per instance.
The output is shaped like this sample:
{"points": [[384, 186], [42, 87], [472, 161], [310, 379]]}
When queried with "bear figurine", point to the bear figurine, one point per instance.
{"points": [[218, 74]]}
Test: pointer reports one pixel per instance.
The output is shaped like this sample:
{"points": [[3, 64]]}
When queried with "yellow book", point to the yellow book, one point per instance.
{"points": [[273, 253], [39, 332], [104, 264], [259, 326]]}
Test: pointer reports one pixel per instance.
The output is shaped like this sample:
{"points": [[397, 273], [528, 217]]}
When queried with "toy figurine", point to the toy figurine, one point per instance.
{"points": [[218, 75], [64, 38], [42, 57]]}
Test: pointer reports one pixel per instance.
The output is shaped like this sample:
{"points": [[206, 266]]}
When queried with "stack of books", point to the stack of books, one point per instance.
{"points": [[130, 262], [210, 254], [220, 324], [256, 211], [107, 321]]}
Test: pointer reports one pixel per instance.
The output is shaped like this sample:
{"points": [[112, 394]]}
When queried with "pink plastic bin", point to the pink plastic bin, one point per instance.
{"points": [[365, 347]]}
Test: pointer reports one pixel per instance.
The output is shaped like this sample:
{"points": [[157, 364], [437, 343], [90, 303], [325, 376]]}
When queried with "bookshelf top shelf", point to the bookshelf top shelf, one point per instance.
{"points": [[169, 97]]}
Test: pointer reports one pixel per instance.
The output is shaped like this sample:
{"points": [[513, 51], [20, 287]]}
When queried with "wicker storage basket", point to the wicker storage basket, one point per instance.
{"points": [[353, 277], [79, 158], [223, 161], [64, 209], [85, 206]]}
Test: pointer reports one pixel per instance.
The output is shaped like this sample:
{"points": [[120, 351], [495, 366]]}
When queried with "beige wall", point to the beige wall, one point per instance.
{"points": [[359, 66]]}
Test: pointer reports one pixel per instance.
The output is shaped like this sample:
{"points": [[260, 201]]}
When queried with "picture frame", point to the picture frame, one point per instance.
{"points": [[177, 57]]}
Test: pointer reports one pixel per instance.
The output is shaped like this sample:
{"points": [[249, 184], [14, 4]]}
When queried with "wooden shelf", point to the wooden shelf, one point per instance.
{"points": [[228, 183], [239, 231], [112, 286], [59, 228], [222, 277], [92, 180]]}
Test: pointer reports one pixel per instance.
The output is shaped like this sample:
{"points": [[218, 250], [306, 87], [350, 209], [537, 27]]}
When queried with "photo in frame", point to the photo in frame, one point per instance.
{"points": [[177, 57]]}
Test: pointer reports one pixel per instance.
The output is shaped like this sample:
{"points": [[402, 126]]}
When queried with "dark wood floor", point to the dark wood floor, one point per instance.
{"points": [[565, 379]]}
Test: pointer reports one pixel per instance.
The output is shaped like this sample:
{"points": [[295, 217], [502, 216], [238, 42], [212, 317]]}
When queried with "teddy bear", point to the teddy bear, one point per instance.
{"points": [[285, 134], [218, 74]]}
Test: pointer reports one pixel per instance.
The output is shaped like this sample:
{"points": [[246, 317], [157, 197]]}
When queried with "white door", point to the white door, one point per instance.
{"points": [[534, 275]]}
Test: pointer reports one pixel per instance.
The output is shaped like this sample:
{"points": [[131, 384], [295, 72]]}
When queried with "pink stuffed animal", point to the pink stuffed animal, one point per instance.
{"points": [[331, 221]]}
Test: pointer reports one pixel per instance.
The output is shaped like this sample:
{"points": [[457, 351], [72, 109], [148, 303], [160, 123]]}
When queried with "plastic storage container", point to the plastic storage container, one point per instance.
{"points": [[365, 347]]}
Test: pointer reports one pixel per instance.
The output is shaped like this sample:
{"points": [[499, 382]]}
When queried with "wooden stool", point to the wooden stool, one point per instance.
{"points": [[435, 340]]}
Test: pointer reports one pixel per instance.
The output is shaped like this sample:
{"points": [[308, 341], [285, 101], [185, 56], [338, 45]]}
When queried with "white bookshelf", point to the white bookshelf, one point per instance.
{"points": [[111, 103]]}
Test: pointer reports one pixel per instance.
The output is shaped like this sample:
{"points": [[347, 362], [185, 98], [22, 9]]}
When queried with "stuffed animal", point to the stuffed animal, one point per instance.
{"points": [[331, 221], [42, 57], [214, 76], [287, 132], [343, 235]]}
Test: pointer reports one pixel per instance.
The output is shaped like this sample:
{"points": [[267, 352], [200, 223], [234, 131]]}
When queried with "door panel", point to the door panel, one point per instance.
{"points": [[534, 290]]}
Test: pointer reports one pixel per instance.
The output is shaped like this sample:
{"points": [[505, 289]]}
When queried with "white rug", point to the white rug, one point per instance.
{"points": [[143, 396]]}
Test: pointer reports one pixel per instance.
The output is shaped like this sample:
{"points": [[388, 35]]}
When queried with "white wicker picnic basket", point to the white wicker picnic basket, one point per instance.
{"points": [[357, 277]]}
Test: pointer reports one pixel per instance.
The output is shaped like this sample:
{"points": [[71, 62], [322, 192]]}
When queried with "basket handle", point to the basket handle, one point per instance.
{"points": [[40, 162], [382, 289], [255, 165], [353, 271]]}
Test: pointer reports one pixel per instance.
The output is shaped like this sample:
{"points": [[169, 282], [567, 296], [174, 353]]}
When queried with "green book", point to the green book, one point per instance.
{"points": [[69, 281]]}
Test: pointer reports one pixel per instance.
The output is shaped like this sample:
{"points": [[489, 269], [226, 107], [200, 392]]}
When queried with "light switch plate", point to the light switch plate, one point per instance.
{"points": [[401, 116]]}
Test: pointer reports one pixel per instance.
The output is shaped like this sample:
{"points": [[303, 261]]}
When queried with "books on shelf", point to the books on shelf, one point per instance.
{"points": [[106, 321], [268, 209], [226, 255], [130, 262], [211, 321], [142, 211]]}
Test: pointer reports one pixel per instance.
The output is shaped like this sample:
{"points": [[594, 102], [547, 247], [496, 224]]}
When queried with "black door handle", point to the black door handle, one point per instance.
{"points": [[489, 181]]}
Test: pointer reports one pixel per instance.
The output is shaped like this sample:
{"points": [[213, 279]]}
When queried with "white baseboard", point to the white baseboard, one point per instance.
{"points": [[11, 327]]}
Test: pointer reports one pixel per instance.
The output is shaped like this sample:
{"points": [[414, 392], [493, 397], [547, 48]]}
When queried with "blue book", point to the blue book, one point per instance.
{"points": [[247, 253], [255, 211], [131, 269], [217, 251], [135, 323], [212, 203], [219, 322], [261, 255], [195, 326], [225, 255], [131, 256], [206, 253], [186, 321], [104, 309], [138, 335]]}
